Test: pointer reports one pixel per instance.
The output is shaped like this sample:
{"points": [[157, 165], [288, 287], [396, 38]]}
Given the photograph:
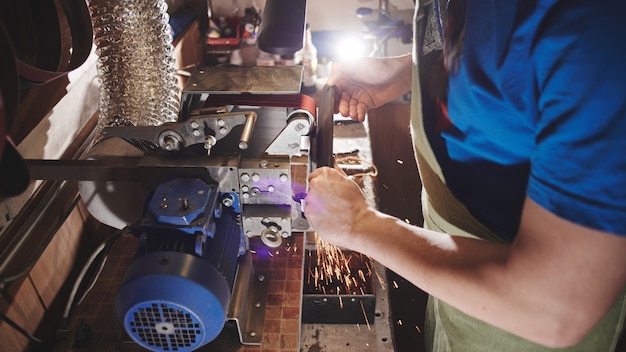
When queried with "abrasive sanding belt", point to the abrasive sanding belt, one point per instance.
{"points": [[297, 101], [323, 140]]}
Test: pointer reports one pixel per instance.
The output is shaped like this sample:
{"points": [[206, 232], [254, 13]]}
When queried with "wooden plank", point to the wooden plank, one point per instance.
{"points": [[55, 264], [22, 305]]}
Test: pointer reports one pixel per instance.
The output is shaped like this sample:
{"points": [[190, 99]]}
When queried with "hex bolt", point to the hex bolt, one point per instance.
{"points": [[283, 178], [256, 177], [209, 143], [194, 124], [221, 122], [261, 278], [255, 191], [252, 334], [245, 177], [257, 304], [227, 201], [170, 143], [263, 164], [271, 188]]}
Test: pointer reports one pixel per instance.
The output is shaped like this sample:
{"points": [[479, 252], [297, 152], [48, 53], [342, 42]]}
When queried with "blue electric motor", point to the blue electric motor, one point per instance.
{"points": [[176, 293]]}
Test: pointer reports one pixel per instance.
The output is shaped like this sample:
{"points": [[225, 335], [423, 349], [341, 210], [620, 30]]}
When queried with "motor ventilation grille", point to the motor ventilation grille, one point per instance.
{"points": [[164, 327]]}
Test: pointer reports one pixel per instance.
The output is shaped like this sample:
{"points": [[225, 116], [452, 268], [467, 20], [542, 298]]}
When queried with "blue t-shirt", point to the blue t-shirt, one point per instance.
{"points": [[538, 107]]}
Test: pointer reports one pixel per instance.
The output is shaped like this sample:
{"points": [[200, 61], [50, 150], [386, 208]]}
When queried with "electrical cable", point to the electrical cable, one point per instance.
{"points": [[104, 247], [11, 322], [19, 329]]}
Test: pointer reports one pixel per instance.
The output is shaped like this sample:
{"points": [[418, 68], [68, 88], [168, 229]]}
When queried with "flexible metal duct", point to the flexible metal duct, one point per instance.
{"points": [[135, 63]]}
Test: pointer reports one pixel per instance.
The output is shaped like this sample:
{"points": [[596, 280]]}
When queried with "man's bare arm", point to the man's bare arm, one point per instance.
{"points": [[553, 265]]}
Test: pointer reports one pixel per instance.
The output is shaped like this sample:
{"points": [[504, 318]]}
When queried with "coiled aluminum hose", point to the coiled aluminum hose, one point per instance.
{"points": [[136, 69]]}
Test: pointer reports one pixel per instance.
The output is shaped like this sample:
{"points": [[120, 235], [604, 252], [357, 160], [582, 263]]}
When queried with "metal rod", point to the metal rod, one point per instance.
{"points": [[246, 134], [84, 170]]}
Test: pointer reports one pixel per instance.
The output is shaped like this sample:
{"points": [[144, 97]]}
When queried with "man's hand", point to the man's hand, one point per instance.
{"points": [[367, 83], [334, 203]]}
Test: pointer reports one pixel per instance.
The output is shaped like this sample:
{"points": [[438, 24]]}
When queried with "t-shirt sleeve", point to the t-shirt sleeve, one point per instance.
{"points": [[578, 168]]}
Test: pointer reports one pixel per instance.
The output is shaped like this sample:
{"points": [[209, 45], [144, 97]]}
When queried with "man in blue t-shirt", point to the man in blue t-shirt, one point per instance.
{"points": [[518, 126]]}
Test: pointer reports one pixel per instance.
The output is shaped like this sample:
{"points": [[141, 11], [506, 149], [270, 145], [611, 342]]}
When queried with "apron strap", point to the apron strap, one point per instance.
{"points": [[441, 208]]}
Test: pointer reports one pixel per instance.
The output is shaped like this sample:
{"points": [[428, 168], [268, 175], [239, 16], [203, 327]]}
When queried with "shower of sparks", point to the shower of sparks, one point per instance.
{"points": [[365, 315], [334, 271]]}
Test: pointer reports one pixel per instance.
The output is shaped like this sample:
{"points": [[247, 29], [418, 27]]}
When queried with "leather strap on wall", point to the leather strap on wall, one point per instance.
{"points": [[38, 32], [13, 172]]}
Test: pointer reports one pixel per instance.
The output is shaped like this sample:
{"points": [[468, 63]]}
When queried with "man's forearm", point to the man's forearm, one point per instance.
{"points": [[496, 283]]}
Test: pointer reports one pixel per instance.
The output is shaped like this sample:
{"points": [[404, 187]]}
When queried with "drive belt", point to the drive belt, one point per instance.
{"points": [[297, 101]]}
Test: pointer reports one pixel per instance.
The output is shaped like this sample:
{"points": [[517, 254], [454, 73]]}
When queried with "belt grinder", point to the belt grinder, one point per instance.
{"points": [[233, 167]]}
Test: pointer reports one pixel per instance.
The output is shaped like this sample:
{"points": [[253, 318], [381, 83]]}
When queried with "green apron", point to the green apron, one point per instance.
{"points": [[448, 329]]}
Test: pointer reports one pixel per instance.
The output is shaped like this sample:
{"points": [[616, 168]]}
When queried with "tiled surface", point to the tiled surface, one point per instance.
{"points": [[282, 318]]}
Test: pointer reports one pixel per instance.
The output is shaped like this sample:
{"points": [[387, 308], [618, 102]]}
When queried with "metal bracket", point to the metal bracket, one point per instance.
{"points": [[291, 140], [203, 129], [249, 301]]}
